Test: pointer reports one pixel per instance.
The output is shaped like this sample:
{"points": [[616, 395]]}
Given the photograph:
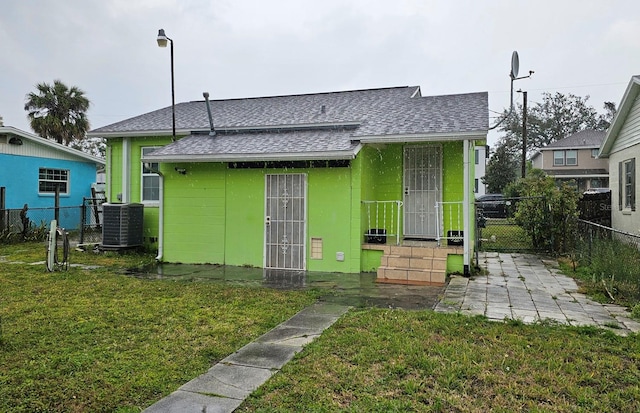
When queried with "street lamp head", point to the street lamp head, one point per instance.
{"points": [[162, 38]]}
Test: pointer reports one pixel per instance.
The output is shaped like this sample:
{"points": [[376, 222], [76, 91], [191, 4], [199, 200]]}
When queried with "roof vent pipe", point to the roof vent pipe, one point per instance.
{"points": [[212, 131]]}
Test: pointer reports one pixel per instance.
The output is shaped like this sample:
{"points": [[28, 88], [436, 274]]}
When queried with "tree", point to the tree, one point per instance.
{"points": [[58, 112], [556, 117], [501, 170], [92, 146]]}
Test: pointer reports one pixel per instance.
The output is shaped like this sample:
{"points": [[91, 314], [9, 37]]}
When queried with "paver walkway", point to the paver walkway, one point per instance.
{"points": [[529, 288], [224, 387]]}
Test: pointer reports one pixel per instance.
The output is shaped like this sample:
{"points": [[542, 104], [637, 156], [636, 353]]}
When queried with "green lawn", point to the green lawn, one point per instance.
{"points": [[99, 341], [503, 235], [96, 340], [400, 361]]}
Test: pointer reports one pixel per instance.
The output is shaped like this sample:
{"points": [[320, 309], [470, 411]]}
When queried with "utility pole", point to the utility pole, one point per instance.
{"points": [[524, 134]]}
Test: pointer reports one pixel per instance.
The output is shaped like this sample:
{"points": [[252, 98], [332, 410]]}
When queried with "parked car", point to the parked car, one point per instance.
{"points": [[492, 205]]}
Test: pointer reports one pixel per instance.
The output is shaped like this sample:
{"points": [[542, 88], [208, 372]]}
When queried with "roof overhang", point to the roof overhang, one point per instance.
{"points": [[569, 148], [10, 130], [249, 128], [422, 137], [248, 157], [629, 97]]}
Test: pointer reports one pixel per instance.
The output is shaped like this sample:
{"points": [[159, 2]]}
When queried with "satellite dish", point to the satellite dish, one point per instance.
{"points": [[515, 65]]}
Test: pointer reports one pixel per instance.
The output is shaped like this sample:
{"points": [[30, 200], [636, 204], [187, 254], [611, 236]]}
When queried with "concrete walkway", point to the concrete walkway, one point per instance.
{"points": [[531, 289], [225, 386], [516, 286]]}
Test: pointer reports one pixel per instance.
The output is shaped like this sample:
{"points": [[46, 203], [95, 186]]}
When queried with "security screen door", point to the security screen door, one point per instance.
{"points": [[422, 189], [285, 221]]}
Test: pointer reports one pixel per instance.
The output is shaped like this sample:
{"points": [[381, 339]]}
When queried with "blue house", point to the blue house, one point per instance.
{"points": [[32, 167]]}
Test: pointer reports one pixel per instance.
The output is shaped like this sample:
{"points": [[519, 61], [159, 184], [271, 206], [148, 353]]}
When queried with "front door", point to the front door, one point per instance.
{"points": [[285, 221], [422, 190]]}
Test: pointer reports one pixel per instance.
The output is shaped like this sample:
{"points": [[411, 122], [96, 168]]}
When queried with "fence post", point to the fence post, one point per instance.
{"points": [[83, 219], [57, 205], [2, 207], [548, 207]]}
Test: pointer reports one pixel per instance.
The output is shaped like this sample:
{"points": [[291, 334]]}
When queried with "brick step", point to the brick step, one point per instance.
{"points": [[414, 265], [395, 275]]}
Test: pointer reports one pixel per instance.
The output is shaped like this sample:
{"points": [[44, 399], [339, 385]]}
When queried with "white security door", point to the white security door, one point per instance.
{"points": [[422, 189], [285, 221]]}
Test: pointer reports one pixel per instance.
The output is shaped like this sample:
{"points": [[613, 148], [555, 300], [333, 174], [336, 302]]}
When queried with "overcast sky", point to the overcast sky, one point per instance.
{"points": [[247, 48]]}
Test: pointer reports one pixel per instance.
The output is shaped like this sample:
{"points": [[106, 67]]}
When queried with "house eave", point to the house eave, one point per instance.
{"points": [[579, 176], [248, 128], [630, 94], [248, 157], [422, 137], [10, 130]]}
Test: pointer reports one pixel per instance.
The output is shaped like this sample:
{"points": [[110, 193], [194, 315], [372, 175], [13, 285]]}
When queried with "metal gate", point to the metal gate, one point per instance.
{"points": [[498, 228], [422, 190], [285, 221]]}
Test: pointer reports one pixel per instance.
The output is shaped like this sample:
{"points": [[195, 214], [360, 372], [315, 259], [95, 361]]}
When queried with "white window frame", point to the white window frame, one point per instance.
{"points": [[558, 161], [54, 175], [561, 158], [146, 173], [629, 186], [594, 153]]}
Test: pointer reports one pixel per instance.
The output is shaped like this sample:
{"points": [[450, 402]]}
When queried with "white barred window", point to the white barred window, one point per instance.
{"points": [[50, 178]]}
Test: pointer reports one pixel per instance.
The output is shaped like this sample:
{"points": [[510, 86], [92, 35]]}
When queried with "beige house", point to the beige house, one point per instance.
{"points": [[622, 147], [575, 158]]}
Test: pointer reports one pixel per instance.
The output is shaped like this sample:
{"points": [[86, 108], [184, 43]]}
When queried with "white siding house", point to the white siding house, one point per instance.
{"points": [[480, 169], [622, 147]]}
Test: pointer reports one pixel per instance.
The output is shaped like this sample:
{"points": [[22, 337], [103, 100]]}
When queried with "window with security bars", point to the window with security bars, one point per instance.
{"points": [[49, 179]]}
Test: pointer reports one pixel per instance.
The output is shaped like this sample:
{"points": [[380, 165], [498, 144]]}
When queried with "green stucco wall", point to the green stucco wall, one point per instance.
{"points": [[216, 215], [382, 179]]}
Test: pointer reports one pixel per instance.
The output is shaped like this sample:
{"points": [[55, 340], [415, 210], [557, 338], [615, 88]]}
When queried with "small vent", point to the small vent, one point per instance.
{"points": [[122, 225], [316, 248]]}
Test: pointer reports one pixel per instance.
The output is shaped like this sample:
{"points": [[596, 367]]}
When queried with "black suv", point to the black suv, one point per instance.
{"points": [[492, 205]]}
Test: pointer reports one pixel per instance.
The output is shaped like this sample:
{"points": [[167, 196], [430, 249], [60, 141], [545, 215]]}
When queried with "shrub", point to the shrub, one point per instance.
{"points": [[547, 212]]}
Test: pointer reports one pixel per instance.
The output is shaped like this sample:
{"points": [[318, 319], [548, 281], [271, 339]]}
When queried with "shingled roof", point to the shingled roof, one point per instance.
{"points": [[587, 138], [311, 126]]}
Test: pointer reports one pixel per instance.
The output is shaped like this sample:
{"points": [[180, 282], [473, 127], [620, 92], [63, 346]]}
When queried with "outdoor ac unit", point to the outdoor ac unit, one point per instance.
{"points": [[122, 225]]}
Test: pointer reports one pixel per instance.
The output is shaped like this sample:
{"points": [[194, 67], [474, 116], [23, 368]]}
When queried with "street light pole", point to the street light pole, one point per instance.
{"points": [[162, 42], [524, 133]]}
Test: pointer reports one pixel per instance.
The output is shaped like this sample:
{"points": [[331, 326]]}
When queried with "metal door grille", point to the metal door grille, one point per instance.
{"points": [[422, 190], [285, 222]]}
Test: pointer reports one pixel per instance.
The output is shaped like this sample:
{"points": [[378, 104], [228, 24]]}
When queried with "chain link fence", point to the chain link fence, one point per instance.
{"points": [[612, 255], [83, 223], [498, 229]]}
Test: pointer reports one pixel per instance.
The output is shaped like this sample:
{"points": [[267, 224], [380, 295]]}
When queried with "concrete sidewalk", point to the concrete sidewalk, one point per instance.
{"points": [[225, 386], [529, 288]]}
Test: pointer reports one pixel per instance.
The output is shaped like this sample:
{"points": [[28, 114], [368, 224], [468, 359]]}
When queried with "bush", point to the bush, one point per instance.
{"points": [[546, 212]]}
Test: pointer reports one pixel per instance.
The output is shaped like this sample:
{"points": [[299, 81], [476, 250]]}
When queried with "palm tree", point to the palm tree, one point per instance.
{"points": [[58, 112]]}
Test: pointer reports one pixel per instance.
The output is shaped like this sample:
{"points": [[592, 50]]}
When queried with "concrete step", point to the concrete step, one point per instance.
{"points": [[394, 275]]}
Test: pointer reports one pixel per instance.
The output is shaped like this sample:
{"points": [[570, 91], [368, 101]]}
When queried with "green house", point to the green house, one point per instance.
{"points": [[363, 180]]}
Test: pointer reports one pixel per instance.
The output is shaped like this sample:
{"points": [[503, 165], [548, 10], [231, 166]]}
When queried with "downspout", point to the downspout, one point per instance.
{"points": [[108, 178], [126, 169], [160, 218], [466, 236], [160, 211]]}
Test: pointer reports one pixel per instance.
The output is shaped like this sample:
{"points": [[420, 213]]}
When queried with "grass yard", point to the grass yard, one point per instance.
{"points": [[98, 341], [503, 235], [400, 361]]}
